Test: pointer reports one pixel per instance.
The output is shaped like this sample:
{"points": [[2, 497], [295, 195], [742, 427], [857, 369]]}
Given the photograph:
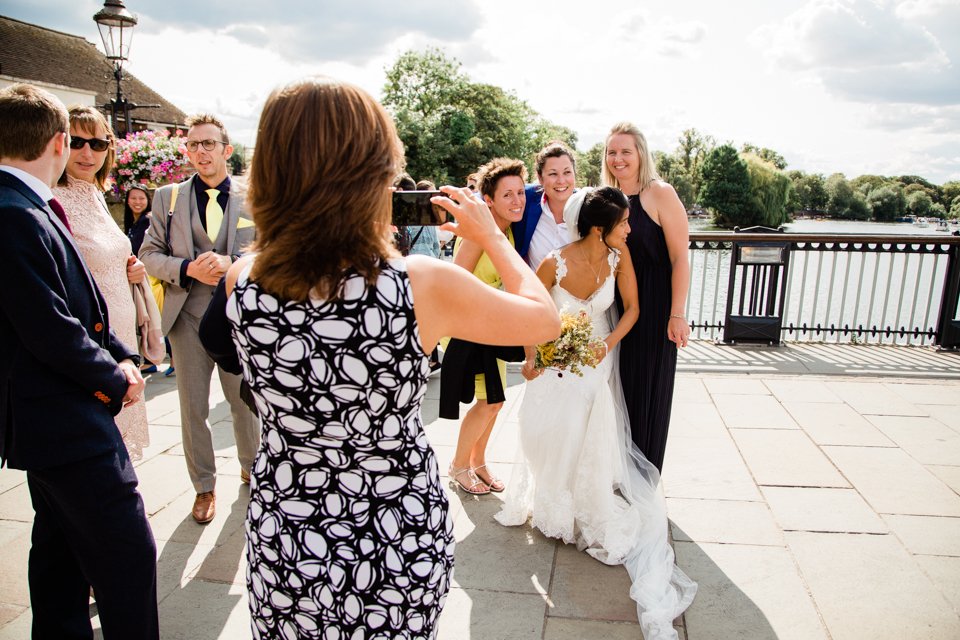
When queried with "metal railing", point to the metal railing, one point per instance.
{"points": [[877, 289]]}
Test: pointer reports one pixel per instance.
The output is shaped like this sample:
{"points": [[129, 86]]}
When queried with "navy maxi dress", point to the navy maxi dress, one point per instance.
{"points": [[648, 360]]}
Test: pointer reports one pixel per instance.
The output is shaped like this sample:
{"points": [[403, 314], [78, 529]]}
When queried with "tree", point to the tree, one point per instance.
{"points": [[867, 183], [770, 190], [672, 171], [839, 195], [955, 208], [809, 192], [769, 155], [589, 165], [725, 187], [919, 203], [238, 159], [950, 191], [692, 149], [885, 203], [423, 83]]}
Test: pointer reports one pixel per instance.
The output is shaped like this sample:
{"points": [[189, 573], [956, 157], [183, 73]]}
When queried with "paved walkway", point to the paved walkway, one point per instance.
{"points": [[814, 492]]}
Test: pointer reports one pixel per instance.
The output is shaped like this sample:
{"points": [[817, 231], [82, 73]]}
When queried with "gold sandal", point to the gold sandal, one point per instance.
{"points": [[496, 484], [475, 482]]}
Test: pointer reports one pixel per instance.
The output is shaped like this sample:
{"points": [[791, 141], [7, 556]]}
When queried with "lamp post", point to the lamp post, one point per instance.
{"points": [[116, 29]]}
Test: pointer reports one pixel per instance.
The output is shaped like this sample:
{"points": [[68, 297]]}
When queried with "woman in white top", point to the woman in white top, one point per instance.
{"points": [[557, 174]]}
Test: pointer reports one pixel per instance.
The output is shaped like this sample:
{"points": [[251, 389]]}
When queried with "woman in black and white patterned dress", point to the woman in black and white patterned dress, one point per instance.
{"points": [[348, 535]]}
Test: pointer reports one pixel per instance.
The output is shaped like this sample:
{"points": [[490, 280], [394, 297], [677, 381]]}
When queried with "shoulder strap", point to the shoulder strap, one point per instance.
{"points": [[173, 203]]}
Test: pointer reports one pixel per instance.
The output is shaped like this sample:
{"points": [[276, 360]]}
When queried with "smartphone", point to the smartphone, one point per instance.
{"points": [[414, 208]]}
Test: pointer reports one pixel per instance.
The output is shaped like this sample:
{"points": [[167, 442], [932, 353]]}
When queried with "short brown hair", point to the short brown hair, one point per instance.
{"points": [[90, 119], [554, 149], [29, 118], [327, 154], [208, 118], [495, 170]]}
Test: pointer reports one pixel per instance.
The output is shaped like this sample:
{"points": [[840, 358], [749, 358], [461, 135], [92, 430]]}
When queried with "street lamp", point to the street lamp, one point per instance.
{"points": [[116, 29]]}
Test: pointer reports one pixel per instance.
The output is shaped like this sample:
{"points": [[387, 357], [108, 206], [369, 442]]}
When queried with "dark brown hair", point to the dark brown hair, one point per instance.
{"points": [[29, 118], [491, 173], [554, 149], [319, 192], [89, 119]]}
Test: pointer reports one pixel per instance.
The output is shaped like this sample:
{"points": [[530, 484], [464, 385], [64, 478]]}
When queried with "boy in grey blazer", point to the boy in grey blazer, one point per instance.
{"points": [[189, 246]]}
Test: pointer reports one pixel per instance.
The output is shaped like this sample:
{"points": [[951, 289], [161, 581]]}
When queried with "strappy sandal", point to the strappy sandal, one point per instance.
{"points": [[476, 486], [496, 484]]}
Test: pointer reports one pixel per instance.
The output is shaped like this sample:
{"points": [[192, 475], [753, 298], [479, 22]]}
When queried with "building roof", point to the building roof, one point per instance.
{"points": [[38, 54]]}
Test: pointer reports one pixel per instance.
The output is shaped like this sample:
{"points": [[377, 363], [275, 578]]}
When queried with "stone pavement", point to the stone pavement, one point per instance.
{"points": [[813, 491]]}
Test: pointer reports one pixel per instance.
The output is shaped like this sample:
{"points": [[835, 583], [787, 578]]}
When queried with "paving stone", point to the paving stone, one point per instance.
{"points": [[927, 535], [893, 482], [492, 556], [162, 439], [753, 412], [799, 390], [491, 615], [873, 398], [586, 588], [18, 628], [175, 523], [163, 479], [563, 629], [14, 552], [8, 613], [945, 574], [10, 478], [949, 474], [735, 385], [929, 441], [922, 392], [748, 593], [947, 414], [207, 610], [821, 509], [15, 504], [727, 521], [786, 458], [227, 562], [699, 467], [836, 424], [862, 584], [689, 389], [176, 564], [695, 420]]}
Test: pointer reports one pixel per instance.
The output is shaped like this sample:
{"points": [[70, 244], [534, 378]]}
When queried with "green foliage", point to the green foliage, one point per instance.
{"points": [[672, 171], [842, 201], [955, 209], [809, 192], [238, 159], [770, 190], [867, 183], [589, 165], [885, 203], [450, 126], [919, 203], [768, 155], [950, 191], [725, 188]]}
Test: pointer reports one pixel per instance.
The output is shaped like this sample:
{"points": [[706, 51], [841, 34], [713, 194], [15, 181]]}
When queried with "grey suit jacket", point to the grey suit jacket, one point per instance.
{"points": [[163, 261]]}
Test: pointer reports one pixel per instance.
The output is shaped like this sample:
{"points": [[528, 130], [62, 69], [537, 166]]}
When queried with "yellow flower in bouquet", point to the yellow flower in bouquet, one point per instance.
{"points": [[575, 348]]}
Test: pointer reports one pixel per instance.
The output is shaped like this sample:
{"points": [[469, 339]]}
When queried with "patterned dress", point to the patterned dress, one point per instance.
{"points": [[105, 249], [347, 530]]}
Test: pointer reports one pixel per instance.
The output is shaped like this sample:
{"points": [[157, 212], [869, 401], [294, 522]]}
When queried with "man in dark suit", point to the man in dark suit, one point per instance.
{"points": [[63, 376]]}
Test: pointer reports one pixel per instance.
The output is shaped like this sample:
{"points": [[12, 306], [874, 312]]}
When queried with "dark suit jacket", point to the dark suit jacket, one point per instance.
{"points": [[523, 229], [60, 385]]}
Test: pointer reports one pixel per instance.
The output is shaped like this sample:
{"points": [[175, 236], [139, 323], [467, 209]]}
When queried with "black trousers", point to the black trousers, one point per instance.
{"points": [[91, 530]]}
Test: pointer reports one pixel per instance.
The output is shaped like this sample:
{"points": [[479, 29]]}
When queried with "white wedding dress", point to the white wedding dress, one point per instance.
{"points": [[584, 481]]}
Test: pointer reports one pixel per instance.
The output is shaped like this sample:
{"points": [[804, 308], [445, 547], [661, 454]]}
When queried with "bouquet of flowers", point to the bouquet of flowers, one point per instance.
{"points": [[151, 159], [575, 348]]}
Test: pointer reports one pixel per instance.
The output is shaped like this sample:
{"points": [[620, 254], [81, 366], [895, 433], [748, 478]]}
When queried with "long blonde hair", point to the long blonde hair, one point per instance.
{"points": [[648, 167]]}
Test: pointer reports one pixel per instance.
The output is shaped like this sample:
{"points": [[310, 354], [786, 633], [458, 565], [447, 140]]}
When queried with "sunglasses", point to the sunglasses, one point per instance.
{"points": [[97, 144]]}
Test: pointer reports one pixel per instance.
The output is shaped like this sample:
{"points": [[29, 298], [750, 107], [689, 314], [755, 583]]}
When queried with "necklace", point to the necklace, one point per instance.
{"points": [[596, 272]]}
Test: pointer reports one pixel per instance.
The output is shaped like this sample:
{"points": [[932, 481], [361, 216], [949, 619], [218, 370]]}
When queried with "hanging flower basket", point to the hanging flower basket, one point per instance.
{"points": [[150, 159]]}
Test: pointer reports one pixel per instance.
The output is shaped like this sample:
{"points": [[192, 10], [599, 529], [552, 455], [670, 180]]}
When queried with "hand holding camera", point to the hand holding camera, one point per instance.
{"points": [[473, 219]]}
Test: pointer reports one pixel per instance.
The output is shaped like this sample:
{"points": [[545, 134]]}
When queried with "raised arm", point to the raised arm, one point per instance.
{"points": [[449, 301]]}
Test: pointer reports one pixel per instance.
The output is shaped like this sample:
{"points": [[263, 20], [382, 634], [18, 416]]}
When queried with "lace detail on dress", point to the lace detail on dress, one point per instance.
{"points": [[561, 265]]}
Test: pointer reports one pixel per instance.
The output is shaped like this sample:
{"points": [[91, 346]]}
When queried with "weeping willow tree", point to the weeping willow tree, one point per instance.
{"points": [[770, 190]]}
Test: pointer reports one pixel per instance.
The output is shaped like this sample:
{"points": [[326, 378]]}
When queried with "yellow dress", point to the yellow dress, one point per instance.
{"points": [[487, 274]]}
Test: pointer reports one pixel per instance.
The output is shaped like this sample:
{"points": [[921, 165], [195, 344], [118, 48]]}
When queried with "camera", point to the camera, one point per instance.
{"points": [[412, 208]]}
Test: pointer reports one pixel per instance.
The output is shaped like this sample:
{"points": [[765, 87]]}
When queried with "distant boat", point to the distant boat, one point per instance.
{"points": [[942, 226], [921, 222]]}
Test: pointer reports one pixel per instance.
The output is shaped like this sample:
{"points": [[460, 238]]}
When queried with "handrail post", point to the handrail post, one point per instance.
{"points": [[767, 261], [948, 327]]}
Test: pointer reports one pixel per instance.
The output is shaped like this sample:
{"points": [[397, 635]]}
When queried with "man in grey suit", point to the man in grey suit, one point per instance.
{"points": [[198, 228]]}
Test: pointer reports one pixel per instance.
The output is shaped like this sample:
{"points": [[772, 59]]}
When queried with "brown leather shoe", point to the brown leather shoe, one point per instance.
{"points": [[244, 476], [205, 507]]}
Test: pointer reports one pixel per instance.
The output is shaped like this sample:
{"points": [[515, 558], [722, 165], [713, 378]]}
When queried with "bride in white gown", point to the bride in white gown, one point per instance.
{"points": [[582, 479]]}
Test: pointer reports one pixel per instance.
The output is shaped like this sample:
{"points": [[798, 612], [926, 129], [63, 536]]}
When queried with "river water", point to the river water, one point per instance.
{"points": [[900, 291]]}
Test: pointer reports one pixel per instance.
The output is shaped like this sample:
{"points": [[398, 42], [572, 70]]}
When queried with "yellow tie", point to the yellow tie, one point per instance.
{"points": [[214, 214]]}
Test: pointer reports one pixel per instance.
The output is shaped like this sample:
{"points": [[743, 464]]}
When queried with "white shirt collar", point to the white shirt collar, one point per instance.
{"points": [[35, 183]]}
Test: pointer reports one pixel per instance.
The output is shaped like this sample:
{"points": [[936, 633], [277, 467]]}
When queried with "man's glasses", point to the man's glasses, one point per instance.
{"points": [[209, 145], [97, 144]]}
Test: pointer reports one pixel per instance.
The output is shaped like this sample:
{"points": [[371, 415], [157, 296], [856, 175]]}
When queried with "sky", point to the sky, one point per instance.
{"points": [[851, 86]]}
